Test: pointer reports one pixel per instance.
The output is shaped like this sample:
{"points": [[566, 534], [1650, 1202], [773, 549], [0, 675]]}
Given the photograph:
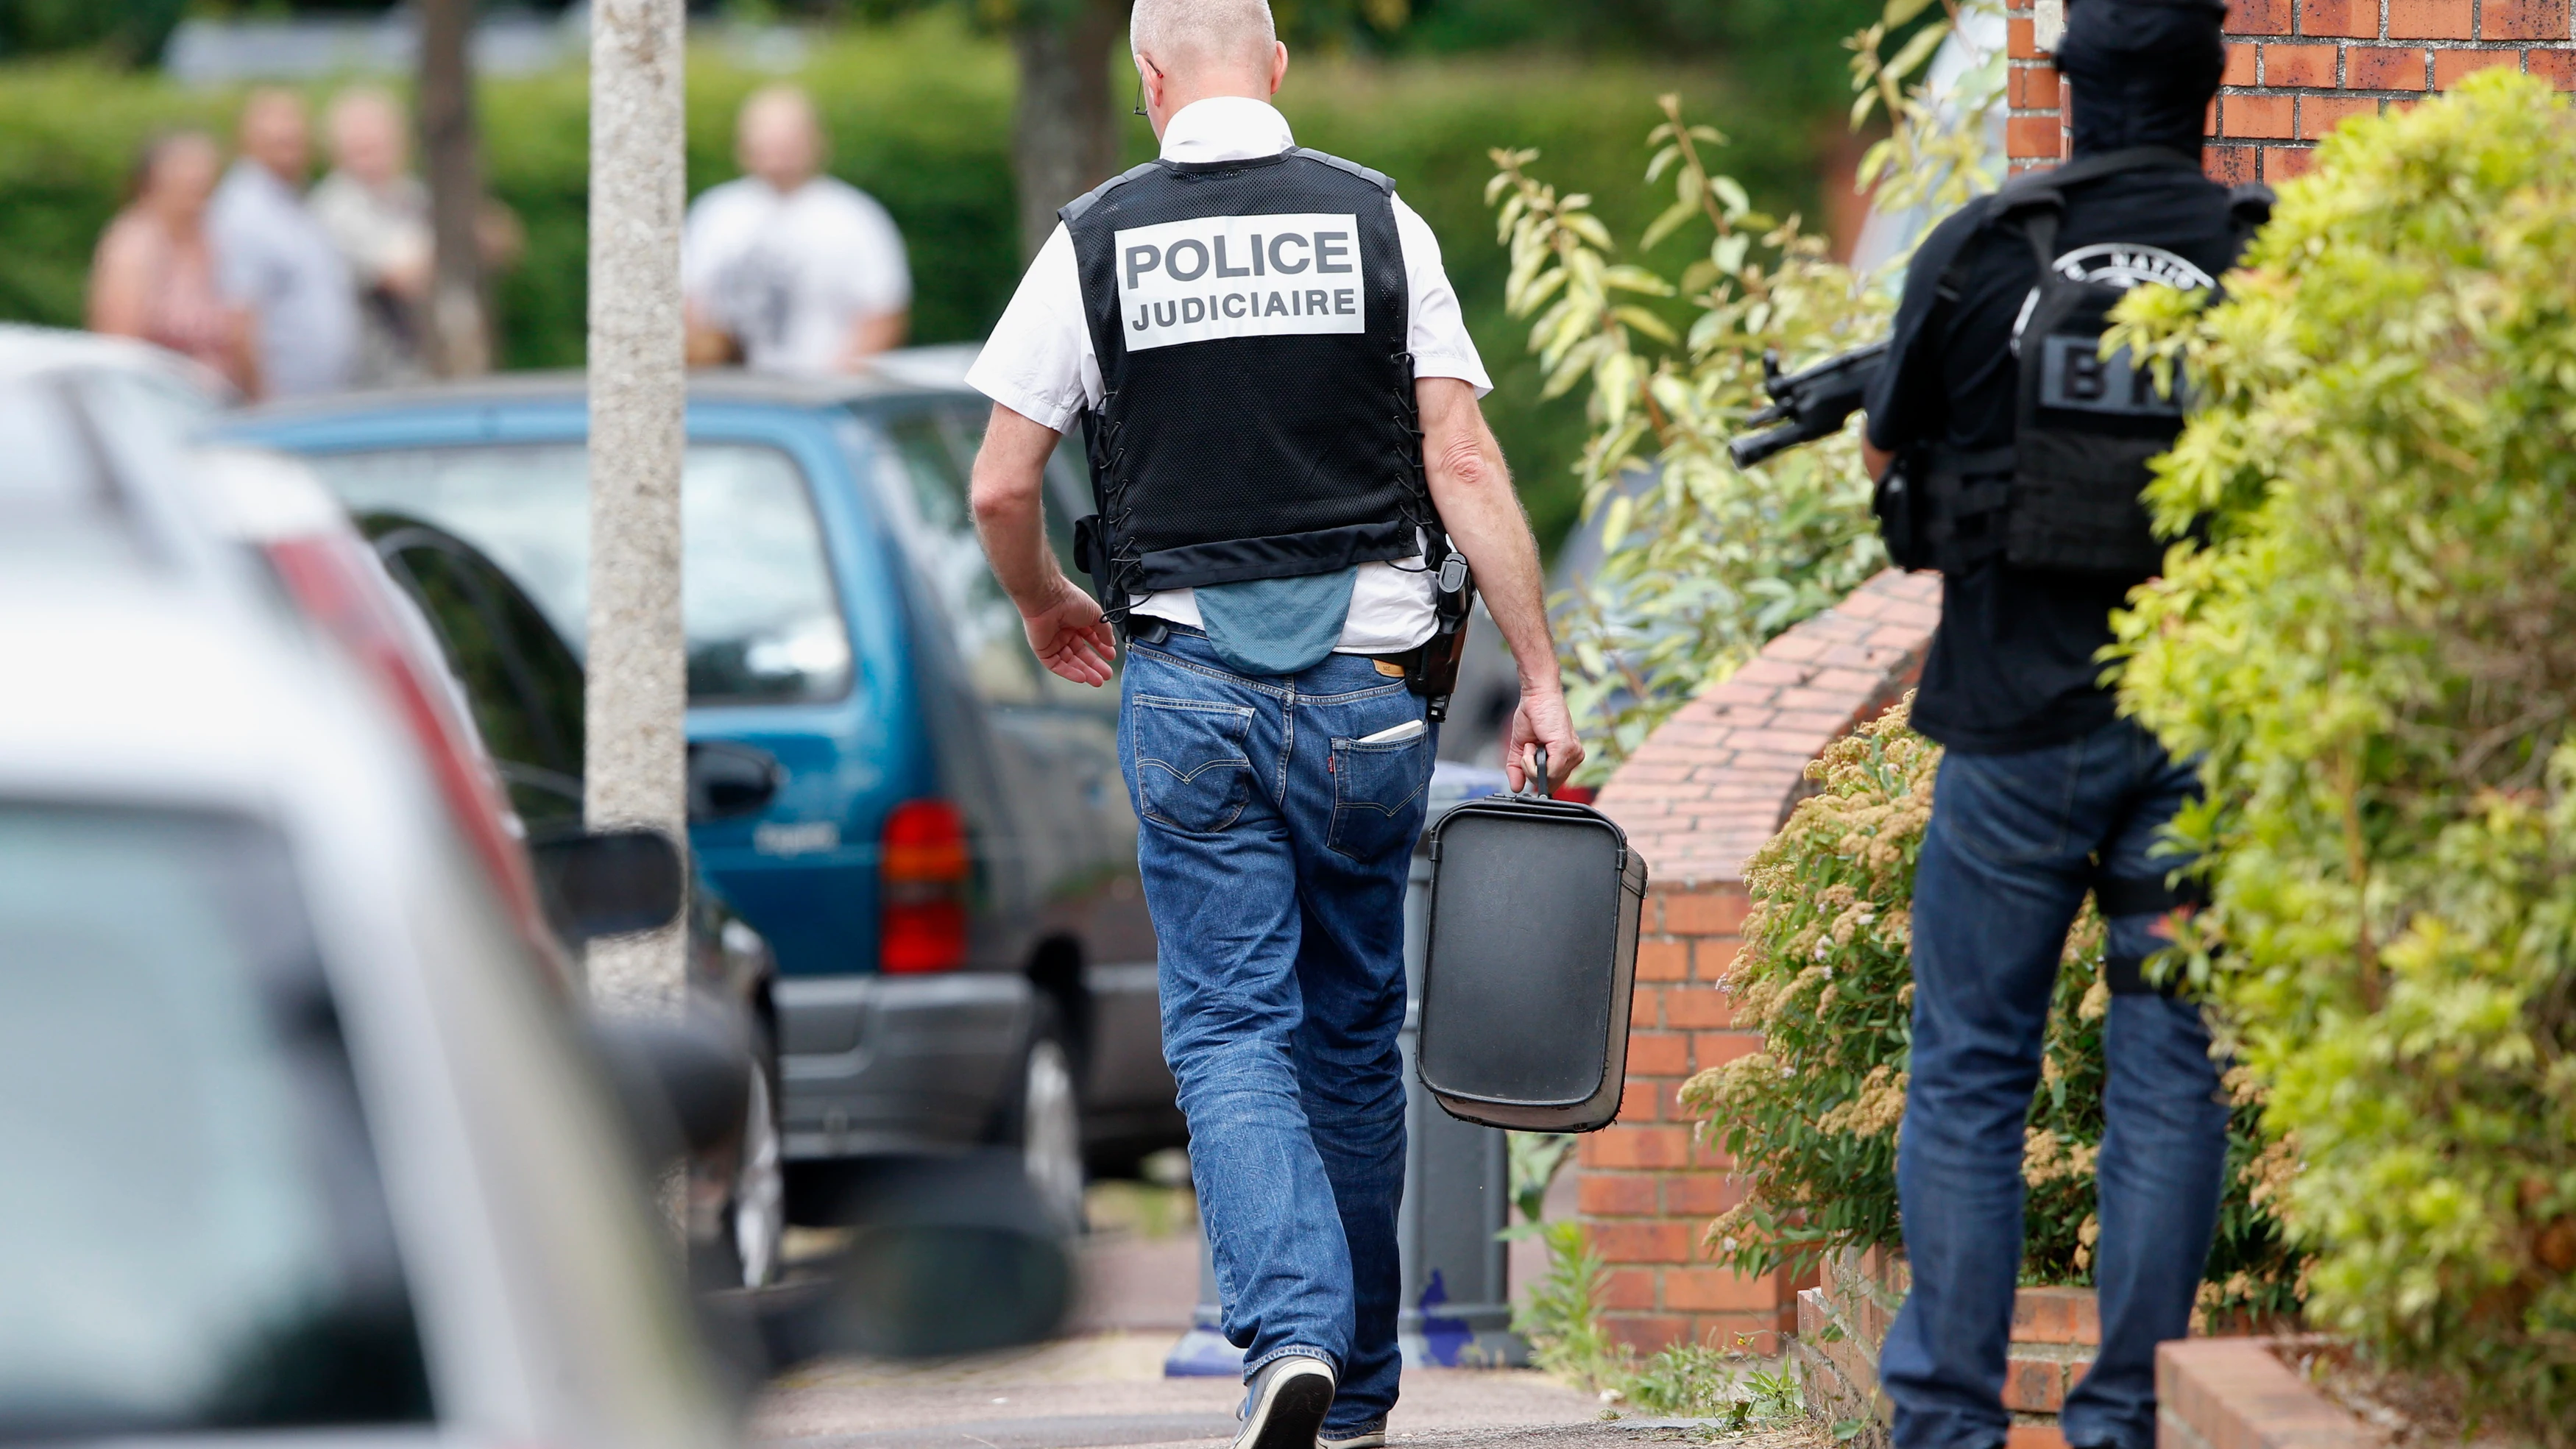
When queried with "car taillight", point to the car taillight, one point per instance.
{"points": [[922, 872]]}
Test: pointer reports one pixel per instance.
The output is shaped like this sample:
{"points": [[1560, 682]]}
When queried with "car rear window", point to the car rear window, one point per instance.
{"points": [[763, 619], [192, 1227]]}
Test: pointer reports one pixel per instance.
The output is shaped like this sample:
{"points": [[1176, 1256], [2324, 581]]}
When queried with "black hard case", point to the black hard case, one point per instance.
{"points": [[1531, 960]]}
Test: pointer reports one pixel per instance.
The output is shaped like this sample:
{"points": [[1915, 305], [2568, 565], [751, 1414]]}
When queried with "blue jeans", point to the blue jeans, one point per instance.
{"points": [[2006, 861], [1274, 848]]}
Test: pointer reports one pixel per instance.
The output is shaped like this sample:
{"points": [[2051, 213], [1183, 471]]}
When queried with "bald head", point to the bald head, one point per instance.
{"points": [[1189, 50], [274, 134], [369, 137], [778, 138]]}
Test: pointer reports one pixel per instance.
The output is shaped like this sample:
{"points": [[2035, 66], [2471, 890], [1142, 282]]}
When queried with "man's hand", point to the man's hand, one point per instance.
{"points": [[1542, 720], [1071, 639]]}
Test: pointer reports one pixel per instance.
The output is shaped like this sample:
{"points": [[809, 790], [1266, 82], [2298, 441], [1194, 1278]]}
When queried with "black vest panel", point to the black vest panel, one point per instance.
{"points": [[1257, 418], [2065, 496]]}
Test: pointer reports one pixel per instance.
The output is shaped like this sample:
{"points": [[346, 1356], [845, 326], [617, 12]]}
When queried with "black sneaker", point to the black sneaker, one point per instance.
{"points": [[1367, 1436], [1284, 1405]]}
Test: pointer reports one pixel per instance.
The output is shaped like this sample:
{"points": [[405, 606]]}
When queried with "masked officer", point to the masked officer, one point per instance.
{"points": [[1293, 478], [2030, 449]]}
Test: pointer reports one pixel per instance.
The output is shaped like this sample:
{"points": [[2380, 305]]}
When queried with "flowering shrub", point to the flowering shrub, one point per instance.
{"points": [[1812, 1119], [2373, 647]]}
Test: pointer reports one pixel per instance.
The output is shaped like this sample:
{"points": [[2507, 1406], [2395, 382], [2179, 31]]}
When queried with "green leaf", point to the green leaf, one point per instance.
{"points": [[1917, 50], [1646, 322], [1628, 278], [1666, 224]]}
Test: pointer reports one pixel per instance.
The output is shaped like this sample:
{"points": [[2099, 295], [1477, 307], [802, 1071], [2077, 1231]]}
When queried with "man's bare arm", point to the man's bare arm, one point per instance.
{"points": [[1064, 624], [869, 335], [1473, 491], [706, 344]]}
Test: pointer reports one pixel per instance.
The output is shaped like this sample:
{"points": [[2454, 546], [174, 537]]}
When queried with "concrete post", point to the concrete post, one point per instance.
{"points": [[636, 753]]}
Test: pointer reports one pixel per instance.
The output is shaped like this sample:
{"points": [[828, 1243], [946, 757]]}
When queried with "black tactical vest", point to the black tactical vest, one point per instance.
{"points": [[1257, 418], [2065, 497]]}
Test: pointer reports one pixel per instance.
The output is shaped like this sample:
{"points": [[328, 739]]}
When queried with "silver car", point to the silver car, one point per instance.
{"points": [[294, 1136]]}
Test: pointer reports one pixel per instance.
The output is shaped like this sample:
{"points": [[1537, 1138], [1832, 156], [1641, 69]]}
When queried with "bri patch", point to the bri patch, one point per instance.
{"points": [[1240, 276]]}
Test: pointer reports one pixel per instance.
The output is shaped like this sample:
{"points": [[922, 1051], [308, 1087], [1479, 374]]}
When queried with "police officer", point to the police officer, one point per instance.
{"points": [[1293, 479], [2030, 449]]}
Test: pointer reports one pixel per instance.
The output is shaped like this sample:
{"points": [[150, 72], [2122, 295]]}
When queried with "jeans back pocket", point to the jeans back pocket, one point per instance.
{"points": [[1379, 795], [1191, 770]]}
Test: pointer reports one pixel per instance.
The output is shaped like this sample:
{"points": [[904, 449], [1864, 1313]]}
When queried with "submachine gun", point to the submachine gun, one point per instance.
{"points": [[1815, 403], [1806, 405]]}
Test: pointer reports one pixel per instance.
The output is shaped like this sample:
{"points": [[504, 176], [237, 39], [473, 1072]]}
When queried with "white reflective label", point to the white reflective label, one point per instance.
{"points": [[1240, 276]]}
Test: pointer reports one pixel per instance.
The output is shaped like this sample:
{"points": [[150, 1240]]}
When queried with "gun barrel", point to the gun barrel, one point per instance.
{"points": [[1753, 448]]}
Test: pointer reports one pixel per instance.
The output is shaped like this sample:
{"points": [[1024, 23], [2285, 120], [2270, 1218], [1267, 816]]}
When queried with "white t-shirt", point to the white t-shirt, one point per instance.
{"points": [[1039, 362], [790, 275]]}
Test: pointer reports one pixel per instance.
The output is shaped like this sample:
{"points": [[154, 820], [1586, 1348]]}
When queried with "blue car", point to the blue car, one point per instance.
{"points": [[947, 871]]}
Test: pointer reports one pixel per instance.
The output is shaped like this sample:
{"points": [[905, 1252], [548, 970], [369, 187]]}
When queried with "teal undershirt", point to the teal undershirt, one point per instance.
{"points": [[1277, 626]]}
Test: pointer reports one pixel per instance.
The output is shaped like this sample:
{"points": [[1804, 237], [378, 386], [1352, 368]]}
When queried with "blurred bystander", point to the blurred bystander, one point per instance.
{"points": [[786, 269], [273, 257], [154, 273]]}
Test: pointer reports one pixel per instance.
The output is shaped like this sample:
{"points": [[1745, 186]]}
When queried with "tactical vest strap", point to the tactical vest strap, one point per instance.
{"points": [[1968, 492], [1072, 211], [2249, 206], [1378, 179]]}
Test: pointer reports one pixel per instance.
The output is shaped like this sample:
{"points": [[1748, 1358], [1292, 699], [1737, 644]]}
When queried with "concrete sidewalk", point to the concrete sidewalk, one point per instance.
{"points": [[1106, 1389], [1103, 1384]]}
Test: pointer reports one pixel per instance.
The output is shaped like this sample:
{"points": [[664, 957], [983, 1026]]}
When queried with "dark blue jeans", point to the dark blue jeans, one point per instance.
{"points": [[1274, 847], [2006, 861]]}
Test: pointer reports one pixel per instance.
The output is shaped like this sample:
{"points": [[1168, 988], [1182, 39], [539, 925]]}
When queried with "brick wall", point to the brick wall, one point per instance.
{"points": [[2295, 68], [1698, 797], [1842, 1326]]}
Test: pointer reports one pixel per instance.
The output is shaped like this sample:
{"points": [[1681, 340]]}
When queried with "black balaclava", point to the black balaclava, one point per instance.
{"points": [[2142, 71]]}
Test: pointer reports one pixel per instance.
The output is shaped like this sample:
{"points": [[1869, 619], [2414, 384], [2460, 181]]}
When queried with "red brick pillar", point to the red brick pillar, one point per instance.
{"points": [[2297, 68], [2035, 124], [1699, 796]]}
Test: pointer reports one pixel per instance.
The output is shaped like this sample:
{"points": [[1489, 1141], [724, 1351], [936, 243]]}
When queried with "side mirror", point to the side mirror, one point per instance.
{"points": [[947, 1256], [609, 883], [684, 1085], [727, 780]]}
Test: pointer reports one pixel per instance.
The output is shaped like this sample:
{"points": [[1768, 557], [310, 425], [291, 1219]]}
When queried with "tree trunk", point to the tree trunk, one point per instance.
{"points": [[459, 341], [1064, 134], [636, 755]]}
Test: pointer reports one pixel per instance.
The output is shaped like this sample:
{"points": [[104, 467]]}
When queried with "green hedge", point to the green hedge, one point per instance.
{"points": [[920, 117]]}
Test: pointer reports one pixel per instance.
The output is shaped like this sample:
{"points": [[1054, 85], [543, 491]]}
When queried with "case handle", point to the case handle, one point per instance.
{"points": [[1537, 784]]}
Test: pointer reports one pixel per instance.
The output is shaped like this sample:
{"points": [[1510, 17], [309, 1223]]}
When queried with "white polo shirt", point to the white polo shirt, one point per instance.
{"points": [[1039, 362]]}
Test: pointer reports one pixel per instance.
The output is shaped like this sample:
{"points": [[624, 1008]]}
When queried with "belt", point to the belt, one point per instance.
{"points": [[1402, 665]]}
